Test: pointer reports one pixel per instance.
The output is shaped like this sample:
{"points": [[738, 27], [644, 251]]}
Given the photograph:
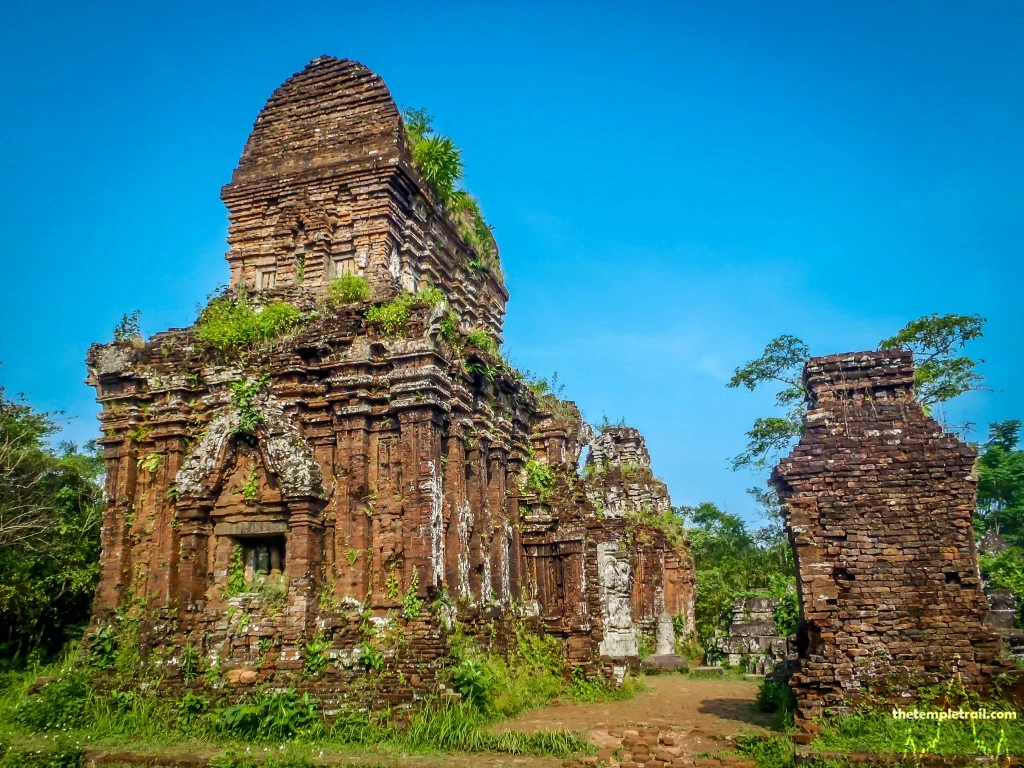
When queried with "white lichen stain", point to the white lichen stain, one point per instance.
{"points": [[465, 518], [432, 487]]}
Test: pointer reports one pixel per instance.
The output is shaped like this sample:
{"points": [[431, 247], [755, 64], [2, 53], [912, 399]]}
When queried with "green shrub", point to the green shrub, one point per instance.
{"points": [[596, 688], [276, 716], [435, 156], [539, 478], [60, 703], [102, 647], [228, 324], [191, 708], [439, 161], [474, 681], [128, 328], [644, 646], [371, 659], [787, 613], [483, 340], [316, 655], [391, 319], [449, 328], [430, 296], [348, 289]]}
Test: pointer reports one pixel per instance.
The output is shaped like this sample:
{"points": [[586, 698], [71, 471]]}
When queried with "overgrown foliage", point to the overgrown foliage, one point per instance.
{"points": [[232, 324], [243, 400], [50, 514], [128, 328], [391, 319], [348, 289], [733, 562], [539, 478], [439, 161], [531, 674], [68, 709]]}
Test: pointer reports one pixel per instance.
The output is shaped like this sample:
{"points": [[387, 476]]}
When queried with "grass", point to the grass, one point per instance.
{"points": [[62, 707], [873, 730]]}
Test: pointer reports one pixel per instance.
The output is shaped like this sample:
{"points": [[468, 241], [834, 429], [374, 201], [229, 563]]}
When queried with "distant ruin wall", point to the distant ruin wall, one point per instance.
{"points": [[644, 571], [879, 502]]}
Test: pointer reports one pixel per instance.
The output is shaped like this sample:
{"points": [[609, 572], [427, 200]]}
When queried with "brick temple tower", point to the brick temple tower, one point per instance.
{"points": [[340, 482]]}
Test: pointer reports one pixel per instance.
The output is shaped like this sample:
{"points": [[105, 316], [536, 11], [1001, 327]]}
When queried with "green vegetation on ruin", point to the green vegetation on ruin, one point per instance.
{"points": [[439, 161], [236, 323], [348, 289], [391, 319]]}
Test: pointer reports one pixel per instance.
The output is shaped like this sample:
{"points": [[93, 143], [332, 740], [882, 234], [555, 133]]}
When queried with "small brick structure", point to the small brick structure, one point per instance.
{"points": [[879, 500], [645, 572], [339, 492], [753, 642]]}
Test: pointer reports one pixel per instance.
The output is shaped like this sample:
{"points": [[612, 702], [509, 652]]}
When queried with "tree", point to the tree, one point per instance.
{"points": [[1000, 471], [731, 562], [782, 363], [50, 512], [940, 374]]}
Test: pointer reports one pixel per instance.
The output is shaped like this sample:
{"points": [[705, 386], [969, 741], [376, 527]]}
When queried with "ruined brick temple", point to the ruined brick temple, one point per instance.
{"points": [[353, 491], [879, 500]]}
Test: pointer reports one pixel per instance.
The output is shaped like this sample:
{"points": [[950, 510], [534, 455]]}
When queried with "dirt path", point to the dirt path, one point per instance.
{"points": [[670, 702]]}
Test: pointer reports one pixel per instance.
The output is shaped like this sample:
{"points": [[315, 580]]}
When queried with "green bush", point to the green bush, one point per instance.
{"points": [[474, 681], [483, 340], [449, 328], [316, 655], [102, 647], [128, 328], [276, 716], [348, 289], [392, 319], [59, 704], [228, 324], [583, 687], [787, 613], [371, 659], [539, 478], [439, 161]]}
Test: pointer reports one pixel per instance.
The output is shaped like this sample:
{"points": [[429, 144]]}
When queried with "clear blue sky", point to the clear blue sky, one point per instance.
{"points": [[671, 185]]}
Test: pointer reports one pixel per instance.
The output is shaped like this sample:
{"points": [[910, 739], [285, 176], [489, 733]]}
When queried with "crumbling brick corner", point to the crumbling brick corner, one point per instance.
{"points": [[879, 500]]}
